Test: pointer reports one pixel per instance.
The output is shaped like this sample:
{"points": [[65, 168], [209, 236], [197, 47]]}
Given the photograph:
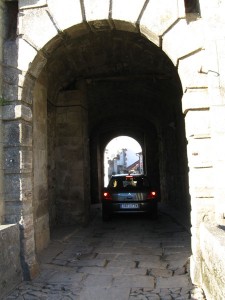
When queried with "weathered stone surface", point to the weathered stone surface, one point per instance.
{"points": [[194, 40], [203, 209], [202, 186], [213, 261], [42, 232], [120, 11], [67, 15], [12, 112], [25, 4], [96, 293], [17, 160], [69, 267], [94, 51], [26, 54], [173, 282], [11, 53], [156, 20], [17, 134], [195, 99], [33, 27], [10, 268], [96, 9], [198, 124], [192, 72], [200, 153], [18, 187]]}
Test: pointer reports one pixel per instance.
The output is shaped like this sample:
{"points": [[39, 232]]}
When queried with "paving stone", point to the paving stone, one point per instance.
{"points": [[171, 282], [118, 263], [133, 281], [88, 263], [153, 264], [161, 272], [123, 260], [100, 293], [102, 270], [135, 271], [98, 280]]}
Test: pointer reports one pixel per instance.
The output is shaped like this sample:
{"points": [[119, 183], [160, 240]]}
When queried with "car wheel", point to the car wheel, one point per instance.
{"points": [[154, 212], [105, 215]]}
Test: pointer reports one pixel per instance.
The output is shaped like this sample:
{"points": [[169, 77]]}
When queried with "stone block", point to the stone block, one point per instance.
{"points": [[159, 20], [201, 182], [38, 64], [129, 27], [12, 112], [10, 92], [218, 121], [181, 281], [17, 134], [220, 44], [203, 209], [37, 28], [96, 9], [12, 213], [17, 160], [97, 293], [200, 153], [26, 54], [10, 75], [18, 187], [198, 124], [65, 15], [133, 281], [25, 4], [10, 268], [42, 234], [128, 10], [195, 99], [26, 93], [193, 41], [213, 263], [218, 149], [11, 53], [190, 71], [75, 97]]}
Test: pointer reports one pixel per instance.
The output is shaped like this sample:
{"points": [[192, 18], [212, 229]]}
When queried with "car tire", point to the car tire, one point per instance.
{"points": [[105, 215], [154, 212]]}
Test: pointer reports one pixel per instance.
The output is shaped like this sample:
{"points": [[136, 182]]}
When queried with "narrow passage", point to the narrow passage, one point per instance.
{"points": [[128, 258]]}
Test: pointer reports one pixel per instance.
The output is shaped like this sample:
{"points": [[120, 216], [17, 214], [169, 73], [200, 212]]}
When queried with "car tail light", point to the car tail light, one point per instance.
{"points": [[107, 196], [152, 195]]}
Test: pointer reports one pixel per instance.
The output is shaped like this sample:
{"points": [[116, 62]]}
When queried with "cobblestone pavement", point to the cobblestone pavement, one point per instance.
{"points": [[128, 258]]}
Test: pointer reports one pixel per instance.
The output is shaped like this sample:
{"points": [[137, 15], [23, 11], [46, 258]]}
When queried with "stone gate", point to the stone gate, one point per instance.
{"points": [[75, 74]]}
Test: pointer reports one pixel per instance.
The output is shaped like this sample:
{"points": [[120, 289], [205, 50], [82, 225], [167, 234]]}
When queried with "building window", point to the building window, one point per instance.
{"points": [[11, 19], [192, 7]]}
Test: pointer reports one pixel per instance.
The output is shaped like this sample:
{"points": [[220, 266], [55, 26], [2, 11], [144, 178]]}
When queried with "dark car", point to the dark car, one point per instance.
{"points": [[130, 193]]}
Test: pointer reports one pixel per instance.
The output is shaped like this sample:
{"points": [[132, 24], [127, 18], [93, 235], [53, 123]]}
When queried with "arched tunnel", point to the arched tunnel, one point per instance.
{"points": [[94, 87]]}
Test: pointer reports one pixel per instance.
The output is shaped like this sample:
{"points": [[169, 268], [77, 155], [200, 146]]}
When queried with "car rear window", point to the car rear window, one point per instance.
{"points": [[128, 182]]}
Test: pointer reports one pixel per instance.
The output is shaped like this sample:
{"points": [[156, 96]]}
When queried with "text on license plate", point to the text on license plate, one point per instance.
{"points": [[129, 205]]}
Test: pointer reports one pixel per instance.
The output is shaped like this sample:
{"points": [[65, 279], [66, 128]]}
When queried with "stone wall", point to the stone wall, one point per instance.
{"points": [[1, 100], [40, 167], [10, 268], [194, 43], [72, 159], [212, 264]]}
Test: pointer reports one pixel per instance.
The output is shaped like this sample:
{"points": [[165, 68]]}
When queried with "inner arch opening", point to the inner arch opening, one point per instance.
{"points": [[92, 89], [123, 154]]}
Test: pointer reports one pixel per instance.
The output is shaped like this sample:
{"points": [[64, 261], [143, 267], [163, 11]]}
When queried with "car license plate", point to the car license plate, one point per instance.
{"points": [[129, 205]]}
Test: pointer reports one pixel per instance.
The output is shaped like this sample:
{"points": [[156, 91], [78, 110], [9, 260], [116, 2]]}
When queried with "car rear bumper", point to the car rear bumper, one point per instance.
{"points": [[116, 207]]}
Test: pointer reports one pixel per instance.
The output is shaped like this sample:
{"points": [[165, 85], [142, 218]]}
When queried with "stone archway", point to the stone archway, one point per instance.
{"points": [[49, 73]]}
